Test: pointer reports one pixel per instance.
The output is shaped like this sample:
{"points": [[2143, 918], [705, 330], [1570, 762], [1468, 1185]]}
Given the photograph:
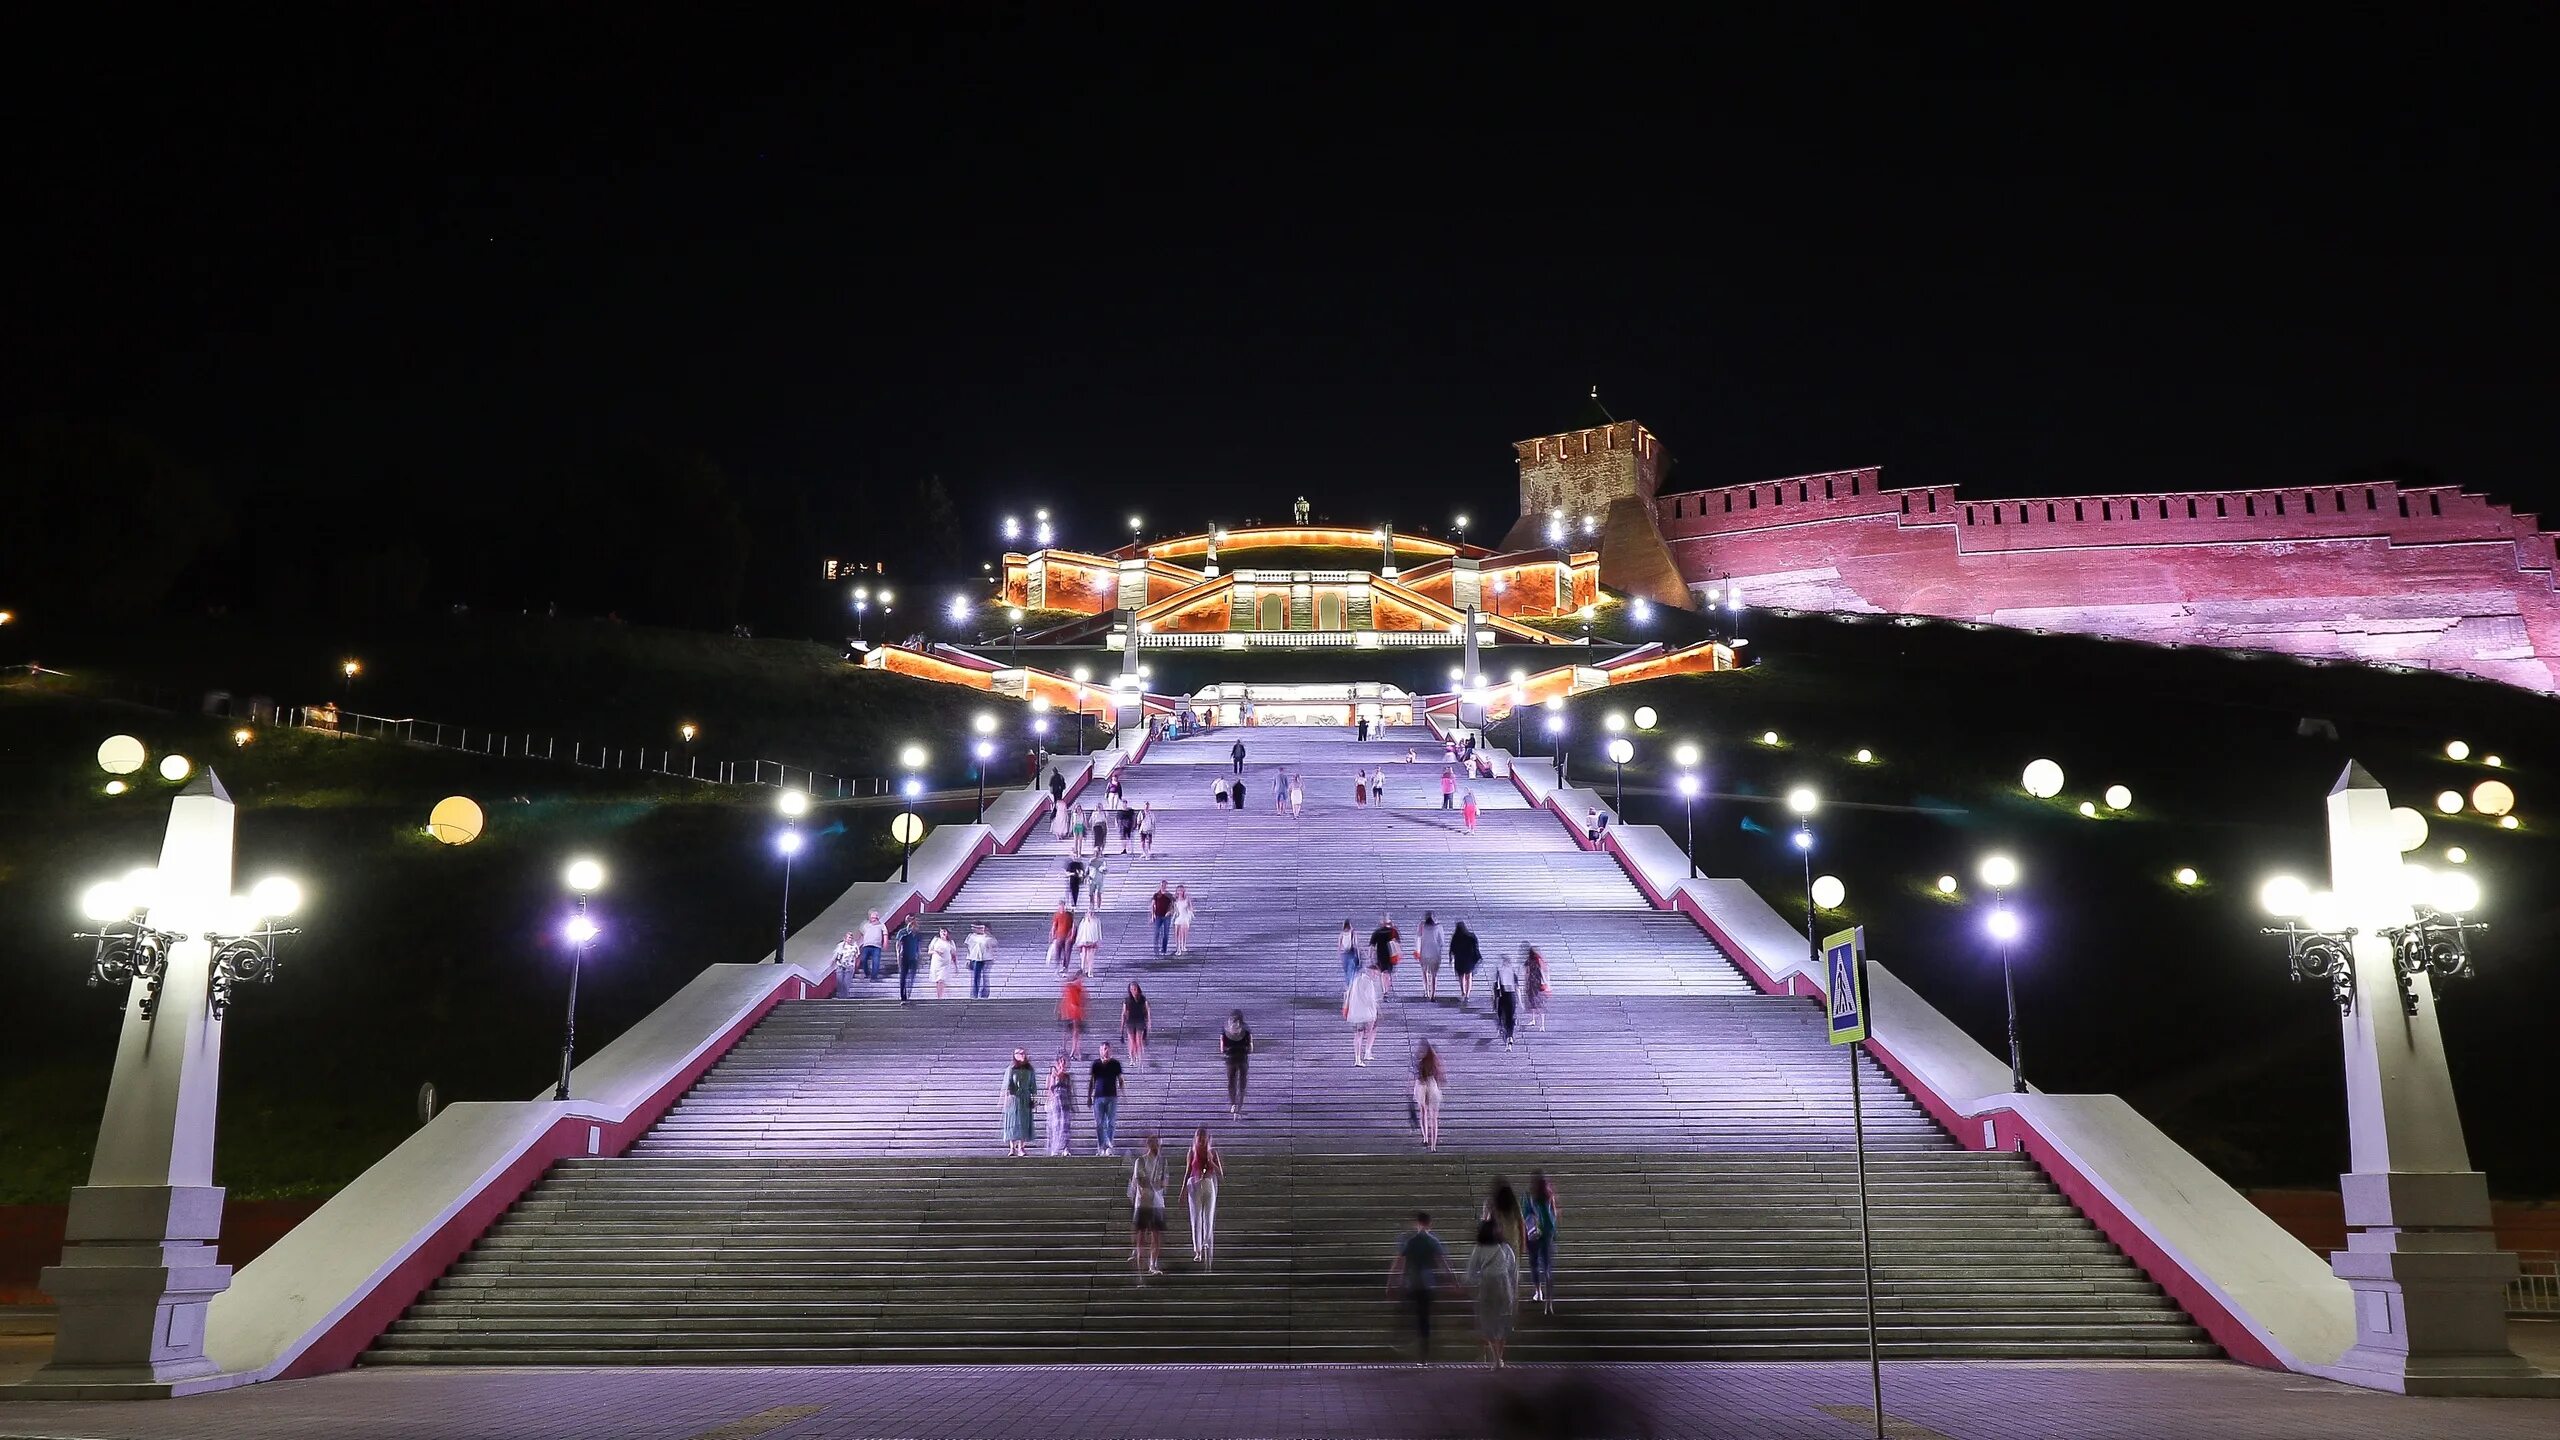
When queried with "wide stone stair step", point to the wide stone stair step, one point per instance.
{"points": [[952, 1260]]}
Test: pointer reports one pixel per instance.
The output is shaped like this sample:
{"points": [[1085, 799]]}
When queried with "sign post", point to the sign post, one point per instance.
{"points": [[1844, 966]]}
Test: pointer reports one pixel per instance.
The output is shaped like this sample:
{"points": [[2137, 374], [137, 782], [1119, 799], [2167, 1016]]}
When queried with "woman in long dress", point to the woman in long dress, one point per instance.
{"points": [[1427, 947], [1494, 1270], [1533, 988], [1062, 1107], [944, 959], [1021, 1083], [1359, 789], [1061, 821]]}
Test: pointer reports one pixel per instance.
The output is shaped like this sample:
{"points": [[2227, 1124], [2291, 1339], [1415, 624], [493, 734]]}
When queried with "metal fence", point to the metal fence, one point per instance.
{"points": [[2536, 1291], [588, 755]]}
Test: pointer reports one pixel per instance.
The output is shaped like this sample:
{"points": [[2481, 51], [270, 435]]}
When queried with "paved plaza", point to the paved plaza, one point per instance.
{"points": [[2031, 1400]]}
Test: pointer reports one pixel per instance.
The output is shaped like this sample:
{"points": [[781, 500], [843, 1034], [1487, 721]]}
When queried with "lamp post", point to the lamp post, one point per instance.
{"points": [[584, 878], [861, 613], [1621, 750], [351, 668], [1014, 617], [139, 1270], [1133, 534], [980, 751], [2000, 872], [911, 787], [2427, 1272], [1081, 675], [788, 842], [1686, 757], [1802, 802]]}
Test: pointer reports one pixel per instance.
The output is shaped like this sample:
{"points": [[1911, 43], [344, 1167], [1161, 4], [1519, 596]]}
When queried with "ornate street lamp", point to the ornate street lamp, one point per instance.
{"points": [[1802, 802], [1689, 821], [136, 933], [788, 843], [1081, 676], [1621, 750]]}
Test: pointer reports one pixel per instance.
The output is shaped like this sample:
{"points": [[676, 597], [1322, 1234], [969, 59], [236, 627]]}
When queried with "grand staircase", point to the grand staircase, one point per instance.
{"points": [[835, 1190]]}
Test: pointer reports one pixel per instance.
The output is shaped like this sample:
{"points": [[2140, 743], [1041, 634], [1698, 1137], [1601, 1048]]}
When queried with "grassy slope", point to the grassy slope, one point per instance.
{"points": [[2126, 981], [424, 962]]}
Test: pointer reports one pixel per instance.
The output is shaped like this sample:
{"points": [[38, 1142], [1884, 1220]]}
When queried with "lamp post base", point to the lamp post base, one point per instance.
{"points": [[137, 1276], [2430, 1289]]}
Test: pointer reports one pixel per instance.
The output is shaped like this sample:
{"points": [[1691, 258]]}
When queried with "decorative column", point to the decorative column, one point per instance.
{"points": [[1386, 552], [1129, 696], [1470, 709], [138, 1269], [2428, 1277]]}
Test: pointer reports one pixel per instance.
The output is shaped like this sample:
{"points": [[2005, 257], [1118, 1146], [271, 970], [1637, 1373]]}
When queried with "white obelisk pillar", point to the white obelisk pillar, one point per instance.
{"points": [[2428, 1277], [138, 1268]]}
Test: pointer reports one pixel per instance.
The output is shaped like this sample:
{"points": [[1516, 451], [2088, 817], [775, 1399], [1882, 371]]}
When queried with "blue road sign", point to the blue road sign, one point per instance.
{"points": [[1846, 984]]}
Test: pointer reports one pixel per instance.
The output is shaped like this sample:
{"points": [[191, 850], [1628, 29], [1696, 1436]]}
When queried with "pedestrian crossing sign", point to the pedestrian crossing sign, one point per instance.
{"points": [[1845, 978]]}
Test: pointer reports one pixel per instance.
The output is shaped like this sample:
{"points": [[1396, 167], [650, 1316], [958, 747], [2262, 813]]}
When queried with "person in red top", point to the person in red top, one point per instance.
{"points": [[1071, 1014], [1162, 908], [1062, 929]]}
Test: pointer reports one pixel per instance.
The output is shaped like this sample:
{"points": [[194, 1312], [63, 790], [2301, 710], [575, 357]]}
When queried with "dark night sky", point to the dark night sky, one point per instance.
{"points": [[1198, 261]]}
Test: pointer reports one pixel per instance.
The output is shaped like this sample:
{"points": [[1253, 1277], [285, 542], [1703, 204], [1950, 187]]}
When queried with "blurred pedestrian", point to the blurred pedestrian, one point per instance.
{"points": [[1235, 1042], [1448, 788], [1494, 1267], [1538, 1219], [1062, 937], [943, 960], [1350, 954], [1089, 939], [910, 957], [1062, 1107], [1021, 1086], [1533, 986], [1360, 1005], [1071, 1015], [1469, 811], [1421, 1265], [979, 949], [1102, 1086], [1201, 1172], [1133, 1023], [1427, 1077], [1464, 956], [1146, 1201], [1427, 946], [1147, 830]]}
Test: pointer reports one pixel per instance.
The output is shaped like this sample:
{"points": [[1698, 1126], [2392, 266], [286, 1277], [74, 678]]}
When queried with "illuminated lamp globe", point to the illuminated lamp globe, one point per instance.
{"points": [[2003, 924], [1620, 752], [2507, 822], [2325, 912], [1768, 737], [2457, 750], [788, 842], [1866, 757], [275, 895], [2457, 893], [1645, 717], [1614, 722], [912, 756], [1946, 884], [2456, 854], [1684, 755], [2088, 811], [1555, 702], [1802, 800], [2408, 828], [584, 876], [174, 767], [580, 930], [2043, 779], [793, 803], [2284, 896], [455, 820], [2494, 762], [2417, 884], [105, 901], [1999, 871], [2492, 797], [116, 787], [1828, 892], [2119, 798], [2450, 802], [2186, 875]]}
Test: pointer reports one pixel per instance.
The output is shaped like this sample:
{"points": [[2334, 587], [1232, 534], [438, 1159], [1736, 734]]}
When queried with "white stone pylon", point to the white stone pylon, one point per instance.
{"points": [[2429, 1279], [138, 1268]]}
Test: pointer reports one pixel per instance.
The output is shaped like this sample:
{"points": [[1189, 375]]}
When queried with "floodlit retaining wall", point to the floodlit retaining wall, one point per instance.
{"points": [[317, 1298]]}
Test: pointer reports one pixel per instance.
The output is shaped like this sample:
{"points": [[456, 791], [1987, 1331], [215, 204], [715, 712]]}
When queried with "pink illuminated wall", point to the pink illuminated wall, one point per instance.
{"points": [[2426, 576]]}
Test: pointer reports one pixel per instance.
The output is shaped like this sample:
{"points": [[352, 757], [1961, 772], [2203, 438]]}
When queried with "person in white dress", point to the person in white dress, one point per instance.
{"points": [[1088, 939], [1183, 914], [1360, 1005], [940, 960]]}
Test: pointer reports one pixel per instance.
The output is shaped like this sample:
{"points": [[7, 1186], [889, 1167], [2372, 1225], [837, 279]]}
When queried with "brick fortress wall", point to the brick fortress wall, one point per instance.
{"points": [[2424, 576]]}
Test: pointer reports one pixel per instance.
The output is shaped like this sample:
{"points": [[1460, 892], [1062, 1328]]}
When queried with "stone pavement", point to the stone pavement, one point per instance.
{"points": [[1818, 1401]]}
